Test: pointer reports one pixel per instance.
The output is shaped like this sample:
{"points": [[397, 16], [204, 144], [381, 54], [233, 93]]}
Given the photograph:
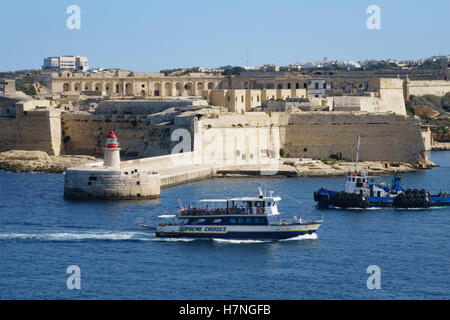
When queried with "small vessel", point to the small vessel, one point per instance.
{"points": [[364, 191], [247, 218]]}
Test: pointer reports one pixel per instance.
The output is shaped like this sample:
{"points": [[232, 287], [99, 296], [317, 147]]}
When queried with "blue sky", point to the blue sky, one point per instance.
{"points": [[147, 35]]}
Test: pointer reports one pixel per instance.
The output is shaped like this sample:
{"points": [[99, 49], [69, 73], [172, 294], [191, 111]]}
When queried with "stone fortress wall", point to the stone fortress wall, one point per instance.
{"points": [[26, 128], [47, 130], [85, 134], [420, 88]]}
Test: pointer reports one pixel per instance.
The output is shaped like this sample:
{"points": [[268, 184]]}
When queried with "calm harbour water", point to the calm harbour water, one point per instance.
{"points": [[41, 234]]}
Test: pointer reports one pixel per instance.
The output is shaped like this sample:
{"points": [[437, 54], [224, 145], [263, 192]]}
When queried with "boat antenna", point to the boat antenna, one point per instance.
{"points": [[357, 153]]}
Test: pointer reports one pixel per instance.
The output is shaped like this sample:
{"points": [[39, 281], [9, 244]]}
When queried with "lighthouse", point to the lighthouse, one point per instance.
{"points": [[112, 152]]}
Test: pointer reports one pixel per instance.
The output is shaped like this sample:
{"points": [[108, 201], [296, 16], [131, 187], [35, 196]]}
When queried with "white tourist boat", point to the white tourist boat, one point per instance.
{"points": [[255, 218]]}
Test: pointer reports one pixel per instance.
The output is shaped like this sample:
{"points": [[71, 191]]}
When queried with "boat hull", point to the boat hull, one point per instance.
{"points": [[238, 233], [323, 199]]}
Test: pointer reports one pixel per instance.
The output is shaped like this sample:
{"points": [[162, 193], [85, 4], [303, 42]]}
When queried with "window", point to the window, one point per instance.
{"points": [[217, 221], [297, 85], [240, 221], [289, 85], [248, 220], [233, 220]]}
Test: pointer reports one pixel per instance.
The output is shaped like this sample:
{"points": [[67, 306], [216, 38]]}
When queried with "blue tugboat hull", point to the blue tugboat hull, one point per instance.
{"points": [[323, 199]]}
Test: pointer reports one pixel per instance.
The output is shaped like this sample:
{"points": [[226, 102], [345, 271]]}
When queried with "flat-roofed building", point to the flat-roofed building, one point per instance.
{"points": [[75, 63]]}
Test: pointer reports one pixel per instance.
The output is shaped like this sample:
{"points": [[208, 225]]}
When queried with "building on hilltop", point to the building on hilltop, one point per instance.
{"points": [[75, 63]]}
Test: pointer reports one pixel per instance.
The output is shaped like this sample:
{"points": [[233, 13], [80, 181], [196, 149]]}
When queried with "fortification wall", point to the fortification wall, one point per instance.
{"points": [[32, 130], [85, 134], [319, 135], [434, 87]]}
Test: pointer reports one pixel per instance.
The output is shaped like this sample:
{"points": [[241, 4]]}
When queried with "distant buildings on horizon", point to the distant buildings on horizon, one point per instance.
{"points": [[80, 64]]}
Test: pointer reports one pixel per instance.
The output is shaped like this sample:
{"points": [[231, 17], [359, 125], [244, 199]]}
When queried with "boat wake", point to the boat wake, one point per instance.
{"points": [[78, 236], [303, 237], [235, 241]]}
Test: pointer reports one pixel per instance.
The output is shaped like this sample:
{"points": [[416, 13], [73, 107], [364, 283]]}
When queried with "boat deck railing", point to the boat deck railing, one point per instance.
{"points": [[195, 212]]}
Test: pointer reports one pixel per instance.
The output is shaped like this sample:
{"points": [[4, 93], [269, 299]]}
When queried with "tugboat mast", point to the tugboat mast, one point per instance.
{"points": [[357, 153]]}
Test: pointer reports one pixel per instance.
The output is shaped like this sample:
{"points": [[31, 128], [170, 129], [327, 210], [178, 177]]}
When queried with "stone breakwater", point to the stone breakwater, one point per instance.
{"points": [[40, 161]]}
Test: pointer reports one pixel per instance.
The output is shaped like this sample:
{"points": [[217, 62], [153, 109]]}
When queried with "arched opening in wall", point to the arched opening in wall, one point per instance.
{"points": [[128, 89], [297, 85], [117, 89], [210, 85], [200, 87], [157, 90], [289, 85], [108, 89], [280, 86], [178, 89], [168, 89], [66, 87], [143, 93], [87, 87], [77, 87], [98, 87], [305, 85], [189, 87]]}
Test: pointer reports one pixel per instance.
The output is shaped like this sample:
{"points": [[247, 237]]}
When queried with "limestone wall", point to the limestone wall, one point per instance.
{"points": [[434, 87], [85, 134], [319, 135], [32, 130]]}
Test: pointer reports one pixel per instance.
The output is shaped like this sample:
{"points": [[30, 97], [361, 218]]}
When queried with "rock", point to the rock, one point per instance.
{"points": [[425, 111], [30, 161]]}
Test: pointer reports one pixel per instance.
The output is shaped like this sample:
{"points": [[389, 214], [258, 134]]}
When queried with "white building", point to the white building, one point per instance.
{"points": [[317, 88], [75, 63]]}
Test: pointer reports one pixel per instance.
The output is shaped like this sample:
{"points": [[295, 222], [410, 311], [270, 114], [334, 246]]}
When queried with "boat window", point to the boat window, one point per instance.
{"points": [[217, 221], [248, 220], [233, 220], [257, 220], [258, 204], [201, 220], [240, 220], [353, 179]]}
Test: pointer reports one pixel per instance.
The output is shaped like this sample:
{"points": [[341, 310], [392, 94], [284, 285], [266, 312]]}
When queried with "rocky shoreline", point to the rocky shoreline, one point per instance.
{"points": [[318, 168], [441, 146], [39, 161]]}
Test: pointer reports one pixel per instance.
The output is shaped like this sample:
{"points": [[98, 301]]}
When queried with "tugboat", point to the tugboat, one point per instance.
{"points": [[364, 191], [247, 218]]}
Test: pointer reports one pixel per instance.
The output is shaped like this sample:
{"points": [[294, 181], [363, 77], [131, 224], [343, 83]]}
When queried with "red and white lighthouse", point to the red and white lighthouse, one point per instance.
{"points": [[112, 152]]}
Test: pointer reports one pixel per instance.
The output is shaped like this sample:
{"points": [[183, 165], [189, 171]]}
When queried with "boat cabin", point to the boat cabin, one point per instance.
{"points": [[368, 186], [235, 206]]}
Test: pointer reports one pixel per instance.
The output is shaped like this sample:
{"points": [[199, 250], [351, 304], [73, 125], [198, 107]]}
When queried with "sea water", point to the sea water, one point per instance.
{"points": [[42, 234]]}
